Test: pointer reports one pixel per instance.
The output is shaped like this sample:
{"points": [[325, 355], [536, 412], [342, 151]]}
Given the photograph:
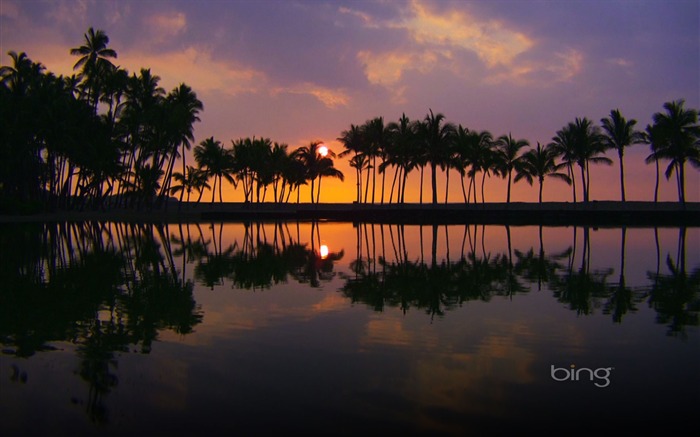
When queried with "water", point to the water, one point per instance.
{"points": [[335, 328]]}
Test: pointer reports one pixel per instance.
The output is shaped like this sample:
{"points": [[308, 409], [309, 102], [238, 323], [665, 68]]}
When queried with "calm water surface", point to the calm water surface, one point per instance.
{"points": [[335, 328]]}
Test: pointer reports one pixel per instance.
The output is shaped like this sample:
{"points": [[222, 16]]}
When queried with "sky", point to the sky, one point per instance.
{"points": [[299, 71]]}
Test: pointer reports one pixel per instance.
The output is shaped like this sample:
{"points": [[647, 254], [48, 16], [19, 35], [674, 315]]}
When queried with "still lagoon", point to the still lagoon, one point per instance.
{"points": [[340, 328]]}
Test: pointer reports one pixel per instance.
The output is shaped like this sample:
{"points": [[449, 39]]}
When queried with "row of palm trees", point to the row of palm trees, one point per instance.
{"points": [[105, 138], [407, 145], [257, 164]]}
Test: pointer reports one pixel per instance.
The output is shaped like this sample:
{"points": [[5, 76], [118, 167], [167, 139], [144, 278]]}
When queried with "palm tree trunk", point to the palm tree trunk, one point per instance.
{"points": [[447, 184], [318, 193], [483, 182], [583, 183], [656, 186], [622, 175], [433, 181], [509, 178], [367, 183], [541, 183], [221, 184], [464, 193], [421, 183], [374, 176], [681, 184], [403, 187], [383, 182], [312, 190], [393, 184]]}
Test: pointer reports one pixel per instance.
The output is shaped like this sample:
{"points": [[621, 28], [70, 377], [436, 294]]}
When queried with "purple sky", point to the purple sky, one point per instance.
{"points": [[296, 71]]}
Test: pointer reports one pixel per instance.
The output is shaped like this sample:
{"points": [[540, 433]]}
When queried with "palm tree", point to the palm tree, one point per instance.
{"points": [[620, 133], [402, 137], [192, 179], [311, 158], [581, 142], [352, 140], [540, 163], [680, 140], [216, 162], [94, 62], [652, 137], [437, 136], [376, 139], [326, 168], [507, 150], [563, 146]]}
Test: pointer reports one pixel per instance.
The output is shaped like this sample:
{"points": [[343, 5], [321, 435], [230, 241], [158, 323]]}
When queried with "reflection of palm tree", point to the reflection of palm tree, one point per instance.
{"points": [[676, 296], [622, 299]]}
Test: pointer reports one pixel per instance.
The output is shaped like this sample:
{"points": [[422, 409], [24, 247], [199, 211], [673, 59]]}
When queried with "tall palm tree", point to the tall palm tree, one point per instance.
{"points": [[507, 151], [437, 136], [679, 133], [376, 138], [652, 137], [402, 136], [563, 146], [581, 142], [620, 133], [216, 162], [352, 140], [94, 62], [311, 158], [326, 168], [540, 163]]}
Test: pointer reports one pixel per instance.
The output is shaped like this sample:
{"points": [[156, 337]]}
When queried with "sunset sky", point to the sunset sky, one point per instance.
{"points": [[297, 71]]}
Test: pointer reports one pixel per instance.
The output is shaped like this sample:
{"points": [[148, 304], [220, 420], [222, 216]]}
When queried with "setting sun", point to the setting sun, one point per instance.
{"points": [[323, 150]]}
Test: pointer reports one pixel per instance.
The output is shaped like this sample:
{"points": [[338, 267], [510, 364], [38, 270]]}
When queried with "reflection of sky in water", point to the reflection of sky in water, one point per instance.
{"points": [[309, 356]]}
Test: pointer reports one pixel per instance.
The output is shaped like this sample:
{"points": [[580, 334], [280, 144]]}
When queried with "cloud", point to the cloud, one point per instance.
{"points": [[196, 66], [491, 40], [331, 98], [482, 51], [166, 25]]}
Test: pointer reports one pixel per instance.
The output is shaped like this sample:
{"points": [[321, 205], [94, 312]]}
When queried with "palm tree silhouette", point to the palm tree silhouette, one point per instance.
{"points": [[94, 62], [652, 137], [353, 142], [581, 142], [437, 136], [620, 133], [507, 151], [679, 134], [216, 162], [540, 163]]}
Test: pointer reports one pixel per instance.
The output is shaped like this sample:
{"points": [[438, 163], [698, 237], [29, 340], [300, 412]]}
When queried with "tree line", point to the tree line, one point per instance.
{"points": [[103, 137], [433, 142]]}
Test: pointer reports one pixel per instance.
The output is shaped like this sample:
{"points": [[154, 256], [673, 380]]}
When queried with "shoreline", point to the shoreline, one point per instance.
{"points": [[613, 213]]}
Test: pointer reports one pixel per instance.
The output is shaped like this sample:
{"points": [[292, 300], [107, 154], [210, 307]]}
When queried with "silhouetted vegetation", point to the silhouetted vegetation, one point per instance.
{"points": [[105, 138]]}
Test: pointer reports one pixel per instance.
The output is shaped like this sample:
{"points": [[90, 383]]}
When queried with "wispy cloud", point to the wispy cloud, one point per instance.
{"points": [[166, 25], [331, 98], [492, 41]]}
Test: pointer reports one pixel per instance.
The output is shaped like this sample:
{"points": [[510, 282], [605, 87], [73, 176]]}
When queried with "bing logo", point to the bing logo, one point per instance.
{"points": [[599, 376]]}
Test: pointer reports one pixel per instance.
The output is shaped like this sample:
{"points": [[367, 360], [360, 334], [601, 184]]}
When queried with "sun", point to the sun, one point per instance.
{"points": [[323, 150]]}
